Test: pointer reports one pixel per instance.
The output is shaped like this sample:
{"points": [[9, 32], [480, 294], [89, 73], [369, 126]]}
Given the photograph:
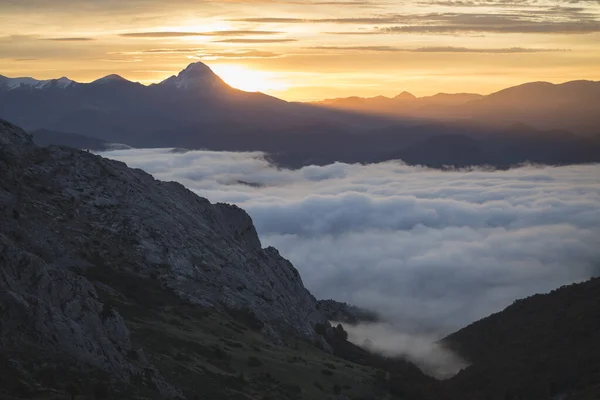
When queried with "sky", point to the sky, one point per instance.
{"points": [[430, 250], [306, 50]]}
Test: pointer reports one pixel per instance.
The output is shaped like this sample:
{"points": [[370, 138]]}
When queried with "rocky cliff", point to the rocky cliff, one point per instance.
{"points": [[67, 214]]}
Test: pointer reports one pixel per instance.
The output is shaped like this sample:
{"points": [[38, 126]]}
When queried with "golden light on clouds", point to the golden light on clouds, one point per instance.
{"points": [[308, 49]]}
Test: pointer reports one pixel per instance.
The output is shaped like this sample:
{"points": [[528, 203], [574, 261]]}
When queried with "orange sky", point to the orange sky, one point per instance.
{"points": [[308, 49]]}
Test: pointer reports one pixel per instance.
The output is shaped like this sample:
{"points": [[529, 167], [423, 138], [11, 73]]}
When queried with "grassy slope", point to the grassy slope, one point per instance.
{"points": [[538, 348], [213, 355]]}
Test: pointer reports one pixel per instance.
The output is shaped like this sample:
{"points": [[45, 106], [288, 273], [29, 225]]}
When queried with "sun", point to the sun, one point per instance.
{"points": [[243, 78]]}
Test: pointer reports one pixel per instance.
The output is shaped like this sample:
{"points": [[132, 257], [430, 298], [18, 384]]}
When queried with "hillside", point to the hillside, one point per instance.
{"points": [[541, 347], [115, 285], [403, 105], [572, 106]]}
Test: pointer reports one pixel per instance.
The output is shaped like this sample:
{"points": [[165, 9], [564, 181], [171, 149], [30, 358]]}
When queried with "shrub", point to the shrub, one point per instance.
{"points": [[339, 333]]}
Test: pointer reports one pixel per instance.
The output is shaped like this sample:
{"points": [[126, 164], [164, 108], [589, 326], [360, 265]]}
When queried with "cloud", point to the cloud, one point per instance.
{"points": [[573, 20], [239, 54], [264, 41], [360, 48], [451, 49], [381, 19], [166, 51], [18, 38], [425, 352], [348, 3], [70, 39], [266, 20], [439, 49], [550, 20], [202, 53], [163, 34], [523, 27], [488, 3], [357, 32], [431, 251]]}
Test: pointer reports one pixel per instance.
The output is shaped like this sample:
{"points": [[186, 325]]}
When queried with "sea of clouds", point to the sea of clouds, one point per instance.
{"points": [[429, 250]]}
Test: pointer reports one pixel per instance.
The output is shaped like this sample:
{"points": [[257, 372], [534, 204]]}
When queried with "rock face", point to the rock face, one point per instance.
{"points": [[65, 211]]}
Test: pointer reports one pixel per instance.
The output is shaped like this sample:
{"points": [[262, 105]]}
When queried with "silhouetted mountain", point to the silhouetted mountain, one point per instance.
{"points": [[573, 106], [190, 106], [463, 145], [197, 109], [110, 79], [445, 150], [542, 347], [403, 105], [449, 99]]}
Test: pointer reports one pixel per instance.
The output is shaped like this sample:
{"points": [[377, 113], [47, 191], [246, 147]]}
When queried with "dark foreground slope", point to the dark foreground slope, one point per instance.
{"points": [[542, 347], [115, 285]]}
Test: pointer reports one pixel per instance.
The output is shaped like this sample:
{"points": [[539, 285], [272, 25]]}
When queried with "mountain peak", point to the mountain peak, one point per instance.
{"points": [[31, 83], [405, 96], [197, 68], [111, 78], [195, 76]]}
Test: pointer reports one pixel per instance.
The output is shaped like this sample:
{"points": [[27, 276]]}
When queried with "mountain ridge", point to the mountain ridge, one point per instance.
{"points": [[202, 67], [571, 105], [196, 109], [540, 347]]}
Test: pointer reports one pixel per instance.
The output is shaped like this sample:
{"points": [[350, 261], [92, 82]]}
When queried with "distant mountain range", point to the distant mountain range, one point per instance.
{"points": [[573, 106], [536, 122], [404, 104]]}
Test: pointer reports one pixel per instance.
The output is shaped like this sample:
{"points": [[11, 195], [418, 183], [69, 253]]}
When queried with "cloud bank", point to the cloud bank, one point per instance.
{"points": [[431, 251]]}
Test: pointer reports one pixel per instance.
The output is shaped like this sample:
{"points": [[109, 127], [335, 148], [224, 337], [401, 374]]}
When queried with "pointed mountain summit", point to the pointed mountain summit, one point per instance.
{"points": [[405, 96], [196, 76]]}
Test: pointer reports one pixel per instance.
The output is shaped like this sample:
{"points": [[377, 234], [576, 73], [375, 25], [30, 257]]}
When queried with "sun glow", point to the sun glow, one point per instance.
{"points": [[250, 80]]}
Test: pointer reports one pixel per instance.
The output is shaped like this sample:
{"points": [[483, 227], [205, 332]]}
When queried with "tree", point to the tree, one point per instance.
{"points": [[339, 333]]}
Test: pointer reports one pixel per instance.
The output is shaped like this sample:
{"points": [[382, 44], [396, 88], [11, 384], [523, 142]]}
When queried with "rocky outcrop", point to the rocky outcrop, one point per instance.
{"points": [[343, 312], [65, 211], [55, 310]]}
